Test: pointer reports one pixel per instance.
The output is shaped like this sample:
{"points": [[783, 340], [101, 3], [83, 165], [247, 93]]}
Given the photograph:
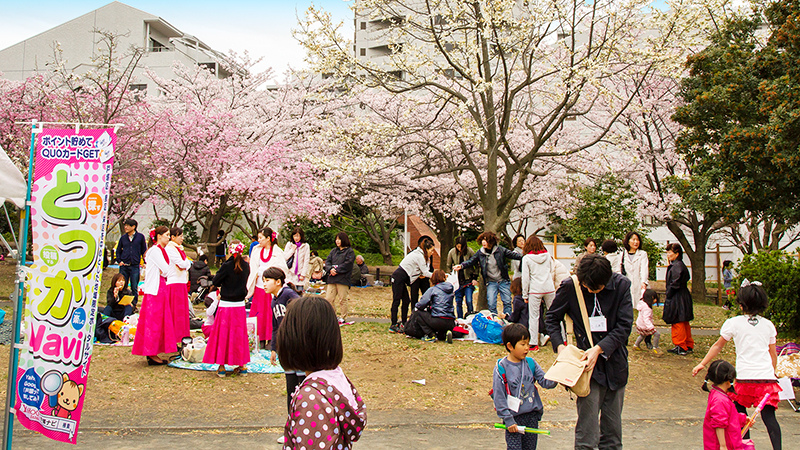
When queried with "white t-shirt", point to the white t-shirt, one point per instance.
{"points": [[752, 342]]}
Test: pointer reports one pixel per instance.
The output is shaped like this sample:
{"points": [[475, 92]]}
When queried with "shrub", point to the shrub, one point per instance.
{"points": [[779, 273]]}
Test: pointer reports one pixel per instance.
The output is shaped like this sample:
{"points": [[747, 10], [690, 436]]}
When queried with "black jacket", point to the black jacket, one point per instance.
{"points": [[611, 370], [232, 285], [279, 304], [131, 251], [678, 306], [501, 255], [342, 260], [113, 302], [198, 269]]}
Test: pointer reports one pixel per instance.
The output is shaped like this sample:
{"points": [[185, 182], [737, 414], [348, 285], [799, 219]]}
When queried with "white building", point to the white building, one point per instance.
{"points": [[163, 45]]}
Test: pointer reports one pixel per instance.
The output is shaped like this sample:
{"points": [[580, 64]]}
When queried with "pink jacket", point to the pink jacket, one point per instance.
{"points": [[645, 320]]}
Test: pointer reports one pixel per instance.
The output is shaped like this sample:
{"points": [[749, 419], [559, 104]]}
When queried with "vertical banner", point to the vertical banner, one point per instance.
{"points": [[70, 195]]}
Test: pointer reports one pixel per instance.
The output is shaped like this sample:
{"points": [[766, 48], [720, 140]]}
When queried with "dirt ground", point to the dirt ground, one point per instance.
{"points": [[123, 391]]}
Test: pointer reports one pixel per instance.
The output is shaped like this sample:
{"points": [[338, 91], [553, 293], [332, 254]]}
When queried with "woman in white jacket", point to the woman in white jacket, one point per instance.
{"points": [[537, 282], [263, 256], [636, 265], [177, 283], [299, 248]]}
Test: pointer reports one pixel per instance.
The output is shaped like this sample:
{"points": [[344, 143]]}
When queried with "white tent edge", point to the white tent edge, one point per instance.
{"points": [[13, 186]]}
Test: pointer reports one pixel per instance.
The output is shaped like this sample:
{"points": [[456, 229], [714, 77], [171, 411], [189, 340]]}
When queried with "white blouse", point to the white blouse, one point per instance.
{"points": [[156, 267], [175, 276]]}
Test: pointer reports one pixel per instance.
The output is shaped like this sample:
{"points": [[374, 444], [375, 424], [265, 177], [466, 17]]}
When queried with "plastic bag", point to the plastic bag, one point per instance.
{"points": [[487, 330], [452, 278]]}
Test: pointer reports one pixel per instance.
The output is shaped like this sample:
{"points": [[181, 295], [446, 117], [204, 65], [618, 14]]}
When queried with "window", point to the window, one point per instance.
{"points": [[210, 66], [139, 90], [156, 46], [363, 25], [363, 52]]}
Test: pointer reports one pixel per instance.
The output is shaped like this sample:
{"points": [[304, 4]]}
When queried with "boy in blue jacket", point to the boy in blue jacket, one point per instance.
{"points": [[516, 398]]}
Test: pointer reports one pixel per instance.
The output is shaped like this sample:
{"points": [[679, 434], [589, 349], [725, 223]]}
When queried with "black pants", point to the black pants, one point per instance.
{"points": [[292, 381], [400, 281], [435, 325], [770, 421], [418, 288], [527, 441]]}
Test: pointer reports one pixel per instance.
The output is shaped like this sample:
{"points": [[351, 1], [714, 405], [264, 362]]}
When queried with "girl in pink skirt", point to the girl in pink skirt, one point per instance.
{"points": [[154, 332], [177, 283], [264, 255], [228, 343]]}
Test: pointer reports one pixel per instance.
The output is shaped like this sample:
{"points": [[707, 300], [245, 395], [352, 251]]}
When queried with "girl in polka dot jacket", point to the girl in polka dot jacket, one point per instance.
{"points": [[326, 411]]}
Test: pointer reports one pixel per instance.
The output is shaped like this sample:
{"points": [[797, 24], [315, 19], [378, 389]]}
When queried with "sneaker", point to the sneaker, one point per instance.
{"points": [[429, 339], [682, 352], [341, 320], [543, 339], [676, 350], [396, 328], [658, 351], [689, 350], [449, 337], [281, 440], [533, 348]]}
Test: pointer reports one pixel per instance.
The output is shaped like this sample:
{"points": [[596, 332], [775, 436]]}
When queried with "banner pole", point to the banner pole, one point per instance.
{"points": [[18, 305]]}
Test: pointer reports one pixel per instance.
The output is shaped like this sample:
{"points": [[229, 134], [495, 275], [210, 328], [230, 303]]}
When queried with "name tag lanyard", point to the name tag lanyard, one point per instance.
{"points": [[597, 322]]}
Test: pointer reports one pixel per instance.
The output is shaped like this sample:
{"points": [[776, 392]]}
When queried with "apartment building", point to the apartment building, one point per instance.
{"points": [[163, 45]]}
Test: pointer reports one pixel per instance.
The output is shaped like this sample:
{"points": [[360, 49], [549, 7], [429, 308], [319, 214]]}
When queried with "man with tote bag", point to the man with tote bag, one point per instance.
{"points": [[607, 298]]}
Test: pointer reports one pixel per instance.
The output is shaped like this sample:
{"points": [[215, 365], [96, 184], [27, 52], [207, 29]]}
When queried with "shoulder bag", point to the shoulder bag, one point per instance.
{"points": [[568, 369]]}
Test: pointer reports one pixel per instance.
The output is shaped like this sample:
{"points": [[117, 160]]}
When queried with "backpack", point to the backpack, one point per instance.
{"points": [[502, 372]]}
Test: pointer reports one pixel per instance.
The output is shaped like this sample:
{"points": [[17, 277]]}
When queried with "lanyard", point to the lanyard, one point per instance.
{"points": [[521, 377], [597, 311]]}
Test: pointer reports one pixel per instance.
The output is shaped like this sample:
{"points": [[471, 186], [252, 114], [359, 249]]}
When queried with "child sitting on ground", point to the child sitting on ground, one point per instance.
{"points": [[516, 398], [519, 313], [644, 323], [723, 423]]}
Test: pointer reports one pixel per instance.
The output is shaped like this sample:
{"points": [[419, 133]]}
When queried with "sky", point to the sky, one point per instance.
{"points": [[263, 28]]}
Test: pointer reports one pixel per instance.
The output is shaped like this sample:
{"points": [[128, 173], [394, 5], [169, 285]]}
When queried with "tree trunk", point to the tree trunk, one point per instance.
{"points": [[385, 244], [447, 229]]}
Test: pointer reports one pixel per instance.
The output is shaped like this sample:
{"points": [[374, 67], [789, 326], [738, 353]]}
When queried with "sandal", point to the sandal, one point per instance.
{"points": [[153, 362], [241, 370], [221, 372]]}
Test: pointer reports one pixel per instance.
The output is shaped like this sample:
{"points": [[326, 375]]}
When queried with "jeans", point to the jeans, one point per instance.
{"points": [[110, 312], [504, 287], [131, 274], [464, 293], [400, 280]]}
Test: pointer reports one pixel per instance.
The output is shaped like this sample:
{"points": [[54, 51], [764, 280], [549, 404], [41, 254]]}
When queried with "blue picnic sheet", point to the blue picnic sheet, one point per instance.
{"points": [[259, 363]]}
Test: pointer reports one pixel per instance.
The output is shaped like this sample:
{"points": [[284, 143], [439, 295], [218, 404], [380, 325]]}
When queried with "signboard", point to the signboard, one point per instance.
{"points": [[69, 204]]}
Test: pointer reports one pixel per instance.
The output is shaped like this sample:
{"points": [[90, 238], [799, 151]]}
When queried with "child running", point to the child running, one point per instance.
{"points": [[282, 293], [756, 358], [228, 343], [310, 340], [723, 423], [644, 323], [516, 398]]}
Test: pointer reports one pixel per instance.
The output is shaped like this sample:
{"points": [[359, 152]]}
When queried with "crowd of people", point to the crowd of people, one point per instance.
{"points": [[526, 287]]}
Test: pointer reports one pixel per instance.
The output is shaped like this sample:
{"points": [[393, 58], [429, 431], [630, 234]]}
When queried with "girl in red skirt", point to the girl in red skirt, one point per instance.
{"points": [[263, 256], [177, 283], [154, 331], [228, 343], [756, 358]]}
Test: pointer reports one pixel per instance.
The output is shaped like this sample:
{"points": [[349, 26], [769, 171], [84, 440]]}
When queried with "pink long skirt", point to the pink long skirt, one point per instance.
{"points": [[261, 308], [154, 332], [228, 343], [179, 300]]}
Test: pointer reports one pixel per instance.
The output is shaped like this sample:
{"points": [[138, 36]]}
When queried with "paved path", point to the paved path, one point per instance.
{"points": [[642, 434]]}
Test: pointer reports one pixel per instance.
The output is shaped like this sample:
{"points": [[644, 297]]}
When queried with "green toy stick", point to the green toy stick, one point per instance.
{"points": [[525, 429]]}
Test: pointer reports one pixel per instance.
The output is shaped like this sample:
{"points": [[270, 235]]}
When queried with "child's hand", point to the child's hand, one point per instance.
{"points": [[697, 369], [512, 429]]}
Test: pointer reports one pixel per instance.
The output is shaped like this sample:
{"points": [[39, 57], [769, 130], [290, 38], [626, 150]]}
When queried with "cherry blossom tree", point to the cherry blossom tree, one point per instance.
{"points": [[519, 79]]}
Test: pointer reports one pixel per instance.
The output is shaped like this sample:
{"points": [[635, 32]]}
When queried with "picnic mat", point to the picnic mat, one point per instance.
{"points": [[259, 363]]}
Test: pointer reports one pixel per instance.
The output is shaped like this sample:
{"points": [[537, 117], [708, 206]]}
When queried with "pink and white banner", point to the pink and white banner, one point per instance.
{"points": [[70, 194]]}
